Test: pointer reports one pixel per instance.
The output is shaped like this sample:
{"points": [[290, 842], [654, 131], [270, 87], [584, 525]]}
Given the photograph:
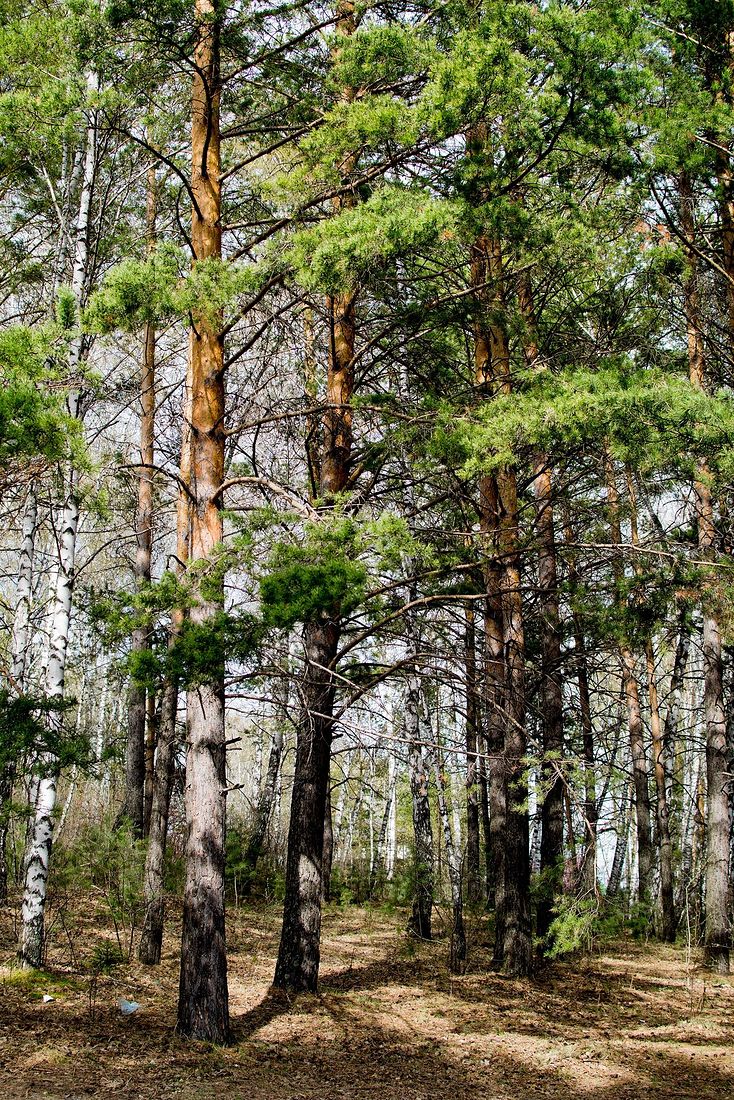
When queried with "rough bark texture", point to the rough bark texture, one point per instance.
{"points": [[297, 967], [473, 884], [203, 1007], [298, 955], [419, 775], [587, 877], [135, 766], [718, 928], [551, 843], [151, 936], [518, 949]]}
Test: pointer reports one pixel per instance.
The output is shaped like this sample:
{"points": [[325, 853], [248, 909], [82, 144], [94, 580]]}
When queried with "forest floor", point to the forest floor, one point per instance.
{"points": [[638, 1020]]}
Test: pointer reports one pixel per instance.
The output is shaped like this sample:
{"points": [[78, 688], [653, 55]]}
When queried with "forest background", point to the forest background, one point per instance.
{"points": [[366, 450]]}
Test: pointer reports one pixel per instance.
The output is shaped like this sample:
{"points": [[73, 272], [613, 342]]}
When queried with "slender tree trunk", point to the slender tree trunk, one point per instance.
{"points": [[718, 926], [264, 809], [518, 945], [634, 711], [419, 775], [551, 845], [392, 825], [620, 849], [135, 761], [665, 846], [587, 877], [473, 885], [38, 856], [18, 657], [457, 952], [328, 856], [203, 1005], [38, 850], [297, 965], [151, 936]]}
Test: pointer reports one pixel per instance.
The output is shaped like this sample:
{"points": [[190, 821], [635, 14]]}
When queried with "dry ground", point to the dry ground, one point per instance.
{"points": [[389, 1023]]}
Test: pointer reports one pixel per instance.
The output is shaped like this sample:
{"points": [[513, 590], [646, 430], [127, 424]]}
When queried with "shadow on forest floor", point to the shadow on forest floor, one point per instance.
{"points": [[389, 1022]]}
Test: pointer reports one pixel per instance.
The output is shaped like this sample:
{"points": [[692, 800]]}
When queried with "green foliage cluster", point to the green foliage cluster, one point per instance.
{"points": [[160, 288], [318, 577], [32, 728], [33, 418], [197, 650], [582, 925], [394, 221], [653, 419]]}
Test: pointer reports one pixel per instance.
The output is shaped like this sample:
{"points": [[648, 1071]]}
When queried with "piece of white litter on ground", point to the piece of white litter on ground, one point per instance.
{"points": [[47, 999], [127, 1007]]}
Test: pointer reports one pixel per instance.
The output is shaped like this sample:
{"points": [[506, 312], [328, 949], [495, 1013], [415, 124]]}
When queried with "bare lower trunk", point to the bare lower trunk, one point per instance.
{"points": [[18, 655], [620, 849], [645, 854], [518, 944], [457, 951], [551, 845], [38, 853], [473, 885], [151, 937], [328, 856], [418, 771], [297, 967], [665, 844], [264, 809]]}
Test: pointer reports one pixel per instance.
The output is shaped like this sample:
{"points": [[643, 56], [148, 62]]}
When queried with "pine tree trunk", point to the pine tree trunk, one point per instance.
{"points": [[473, 885], [457, 952], [151, 937], [620, 848], [718, 927], [418, 773], [203, 1006], [518, 945], [328, 854], [134, 803], [297, 967], [551, 845], [588, 874], [630, 687]]}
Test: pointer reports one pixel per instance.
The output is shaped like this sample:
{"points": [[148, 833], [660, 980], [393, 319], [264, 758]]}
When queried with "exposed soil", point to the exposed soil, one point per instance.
{"points": [[389, 1022]]}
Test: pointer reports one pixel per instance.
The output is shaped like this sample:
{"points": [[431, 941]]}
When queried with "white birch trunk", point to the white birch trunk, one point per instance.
{"points": [[392, 825], [38, 855], [21, 621]]}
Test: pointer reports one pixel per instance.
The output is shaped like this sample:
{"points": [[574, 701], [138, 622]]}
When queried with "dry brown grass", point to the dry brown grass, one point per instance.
{"points": [[388, 1023]]}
